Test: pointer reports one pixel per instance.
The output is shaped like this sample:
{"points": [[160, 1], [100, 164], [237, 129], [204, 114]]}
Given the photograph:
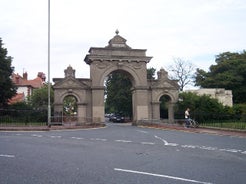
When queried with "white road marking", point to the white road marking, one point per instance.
{"points": [[231, 150], [208, 148], [98, 139], [8, 156], [126, 141], [36, 135], [55, 136], [142, 131], [78, 138], [200, 147], [188, 146], [150, 143], [165, 142], [161, 175]]}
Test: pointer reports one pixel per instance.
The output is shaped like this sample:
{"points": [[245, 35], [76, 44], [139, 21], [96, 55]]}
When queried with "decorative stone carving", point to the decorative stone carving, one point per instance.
{"points": [[117, 55], [69, 72]]}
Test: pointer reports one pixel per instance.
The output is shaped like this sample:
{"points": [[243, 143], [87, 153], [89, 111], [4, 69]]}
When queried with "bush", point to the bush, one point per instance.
{"points": [[22, 113], [204, 108]]}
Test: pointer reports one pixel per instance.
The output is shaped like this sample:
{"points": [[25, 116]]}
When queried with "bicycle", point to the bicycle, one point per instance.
{"points": [[193, 123]]}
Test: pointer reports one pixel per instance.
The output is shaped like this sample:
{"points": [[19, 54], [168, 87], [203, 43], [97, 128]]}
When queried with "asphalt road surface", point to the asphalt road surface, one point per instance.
{"points": [[121, 154]]}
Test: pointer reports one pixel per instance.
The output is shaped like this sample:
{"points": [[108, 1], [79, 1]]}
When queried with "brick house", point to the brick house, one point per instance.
{"points": [[25, 87]]}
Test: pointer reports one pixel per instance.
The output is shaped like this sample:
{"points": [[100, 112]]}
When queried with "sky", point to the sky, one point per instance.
{"points": [[192, 30]]}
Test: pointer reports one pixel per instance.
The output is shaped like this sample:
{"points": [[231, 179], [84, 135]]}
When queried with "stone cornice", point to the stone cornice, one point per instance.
{"points": [[90, 58]]}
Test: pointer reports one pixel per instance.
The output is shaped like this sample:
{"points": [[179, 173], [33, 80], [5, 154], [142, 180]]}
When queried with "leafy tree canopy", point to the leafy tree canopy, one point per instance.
{"points": [[39, 98], [202, 107], [7, 88], [118, 93], [229, 73], [70, 105], [151, 73]]}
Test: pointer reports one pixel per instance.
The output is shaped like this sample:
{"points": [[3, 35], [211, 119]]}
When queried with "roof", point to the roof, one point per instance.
{"points": [[20, 81], [19, 97]]}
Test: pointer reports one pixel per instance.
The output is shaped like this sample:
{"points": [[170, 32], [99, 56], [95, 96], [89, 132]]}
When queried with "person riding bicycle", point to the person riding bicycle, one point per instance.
{"points": [[187, 118]]}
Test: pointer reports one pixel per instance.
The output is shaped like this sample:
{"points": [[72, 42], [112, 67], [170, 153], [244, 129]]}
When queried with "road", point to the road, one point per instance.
{"points": [[120, 153]]}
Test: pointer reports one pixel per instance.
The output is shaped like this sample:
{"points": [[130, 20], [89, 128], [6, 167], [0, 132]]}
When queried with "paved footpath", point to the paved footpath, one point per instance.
{"points": [[217, 131]]}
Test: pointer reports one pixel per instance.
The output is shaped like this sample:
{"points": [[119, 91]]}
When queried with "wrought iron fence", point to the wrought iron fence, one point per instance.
{"points": [[30, 117], [23, 117]]}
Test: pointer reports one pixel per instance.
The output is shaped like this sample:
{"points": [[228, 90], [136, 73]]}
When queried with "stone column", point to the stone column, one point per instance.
{"points": [[140, 104], [81, 112], [170, 112], [156, 110], [98, 104]]}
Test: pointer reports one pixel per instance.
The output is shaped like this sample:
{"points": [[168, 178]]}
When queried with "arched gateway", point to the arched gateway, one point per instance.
{"points": [[116, 56]]}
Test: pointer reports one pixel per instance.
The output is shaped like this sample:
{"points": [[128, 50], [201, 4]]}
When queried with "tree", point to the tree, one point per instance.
{"points": [[151, 73], [202, 107], [70, 105], [39, 98], [7, 87], [118, 93], [229, 73], [183, 71]]}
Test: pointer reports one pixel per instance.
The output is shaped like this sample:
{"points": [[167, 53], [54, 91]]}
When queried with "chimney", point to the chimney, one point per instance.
{"points": [[25, 76], [42, 76], [17, 78]]}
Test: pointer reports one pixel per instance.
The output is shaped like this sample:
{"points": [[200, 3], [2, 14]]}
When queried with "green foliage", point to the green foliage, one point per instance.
{"points": [[7, 88], [70, 105], [240, 111], [118, 93], [163, 106], [20, 106], [22, 113], [202, 107], [39, 98], [151, 73], [228, 73]]}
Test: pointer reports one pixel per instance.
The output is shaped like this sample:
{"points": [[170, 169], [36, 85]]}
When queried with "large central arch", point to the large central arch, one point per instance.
{"points": [[116, 56], [119, 56]]}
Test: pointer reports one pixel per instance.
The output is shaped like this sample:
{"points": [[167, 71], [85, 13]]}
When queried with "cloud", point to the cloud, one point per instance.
{"points": [[195, 30]]}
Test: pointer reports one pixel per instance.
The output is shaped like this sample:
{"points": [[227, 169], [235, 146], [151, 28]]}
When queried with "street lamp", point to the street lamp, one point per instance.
{"points": [[49, 110]]}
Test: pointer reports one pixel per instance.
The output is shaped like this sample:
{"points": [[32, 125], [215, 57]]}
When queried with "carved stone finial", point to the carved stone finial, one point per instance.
{"points": [[69, 72], [117, 31], [162, 74]]}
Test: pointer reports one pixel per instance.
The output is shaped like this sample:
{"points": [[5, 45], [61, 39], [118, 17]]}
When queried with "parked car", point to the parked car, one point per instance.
{"points": [[118, 119], [111, 117]]}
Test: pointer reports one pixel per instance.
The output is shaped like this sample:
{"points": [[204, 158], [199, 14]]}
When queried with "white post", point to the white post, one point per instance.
{"points": [[49, 109]]}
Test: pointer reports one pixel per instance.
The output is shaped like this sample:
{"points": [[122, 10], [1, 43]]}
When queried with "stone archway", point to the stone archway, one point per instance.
{"points": [[163, 86], [117, 55]]}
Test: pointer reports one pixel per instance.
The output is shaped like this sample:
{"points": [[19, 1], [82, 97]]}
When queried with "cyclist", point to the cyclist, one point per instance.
{"points": [[187, 118]]}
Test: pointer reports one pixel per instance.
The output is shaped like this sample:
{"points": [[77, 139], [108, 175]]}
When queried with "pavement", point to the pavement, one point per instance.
{"points": [[178, 127], [208, 130]]}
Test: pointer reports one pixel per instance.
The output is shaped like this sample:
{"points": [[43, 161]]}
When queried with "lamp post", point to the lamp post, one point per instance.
{"points": [[49, 110]]}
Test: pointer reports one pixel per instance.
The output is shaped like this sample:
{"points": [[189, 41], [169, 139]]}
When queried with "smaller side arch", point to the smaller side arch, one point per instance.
{"points": [[156, 96]]}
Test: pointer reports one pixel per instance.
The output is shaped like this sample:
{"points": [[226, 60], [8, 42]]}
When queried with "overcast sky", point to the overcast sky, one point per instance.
{"points": [[193, 30]]}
